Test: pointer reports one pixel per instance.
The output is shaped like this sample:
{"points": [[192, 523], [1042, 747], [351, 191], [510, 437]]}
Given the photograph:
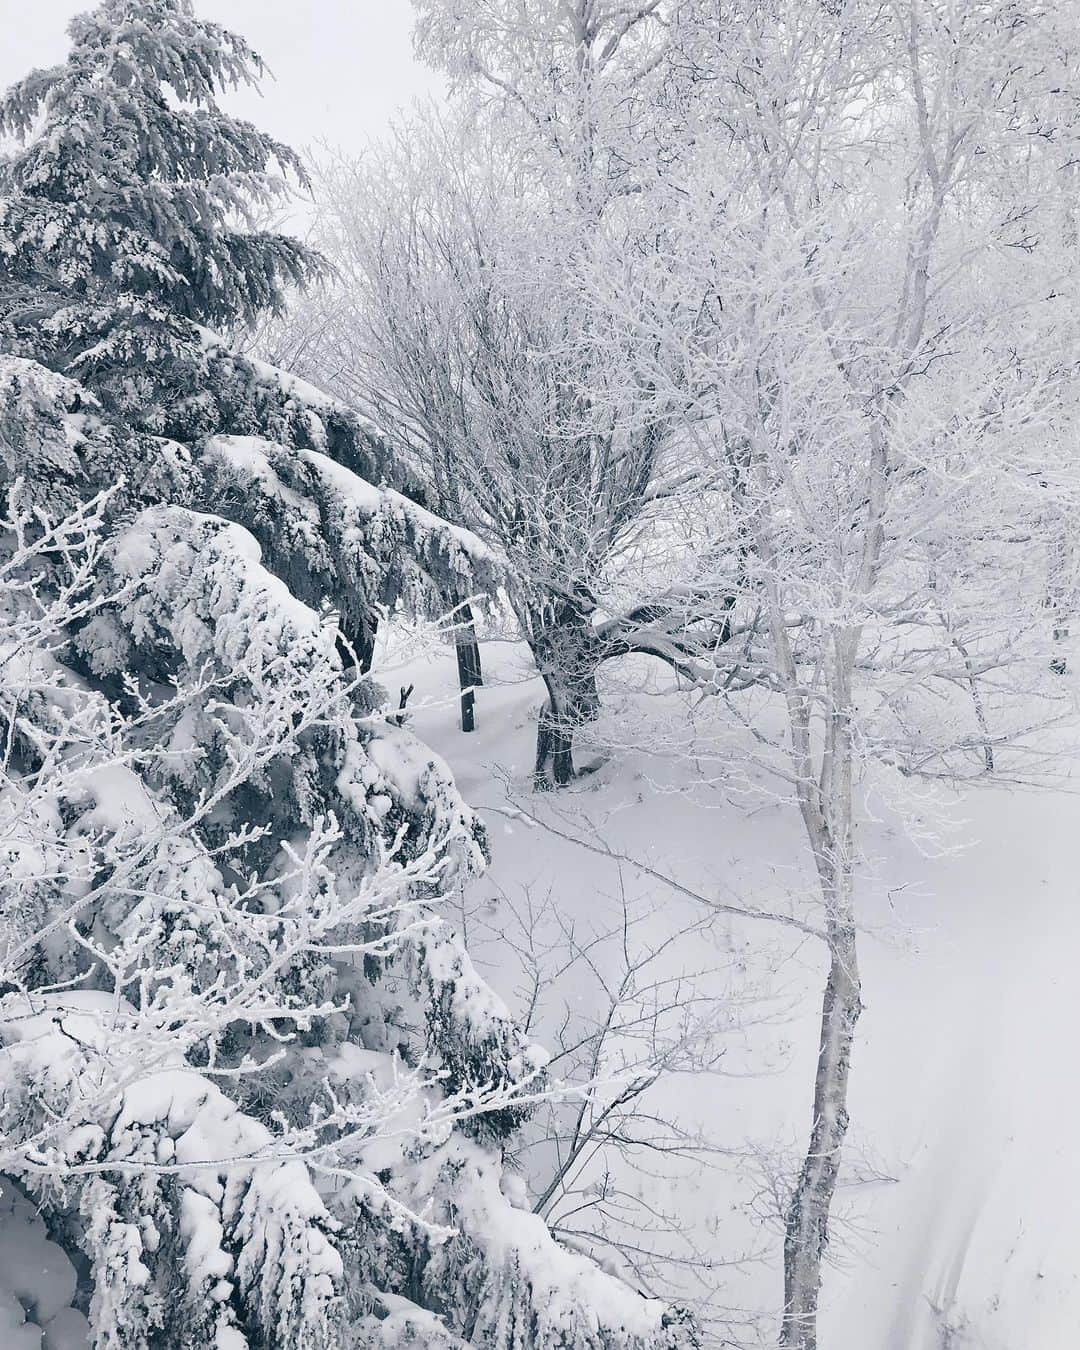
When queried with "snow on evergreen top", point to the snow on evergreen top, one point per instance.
{"points": [[223, 967]]}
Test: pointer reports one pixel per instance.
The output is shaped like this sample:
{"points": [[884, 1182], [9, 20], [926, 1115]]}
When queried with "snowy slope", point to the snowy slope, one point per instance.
{"points": [[967, 1078], [958, 1225]]}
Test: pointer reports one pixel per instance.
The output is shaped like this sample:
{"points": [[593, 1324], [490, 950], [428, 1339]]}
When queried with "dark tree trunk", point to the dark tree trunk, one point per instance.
{"points": [[567, 654], [1058, 591], [470, 675], [1058, 663], [554, 745], [356, 643]]}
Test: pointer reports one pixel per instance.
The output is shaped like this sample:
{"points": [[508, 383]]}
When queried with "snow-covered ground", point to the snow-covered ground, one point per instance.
{"points": [[959, 1224], [37, 1282]]}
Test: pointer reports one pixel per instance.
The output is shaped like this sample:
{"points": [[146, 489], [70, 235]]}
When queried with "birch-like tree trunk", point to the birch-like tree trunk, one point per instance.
{"points": [[807, 1223], [823, 783]]}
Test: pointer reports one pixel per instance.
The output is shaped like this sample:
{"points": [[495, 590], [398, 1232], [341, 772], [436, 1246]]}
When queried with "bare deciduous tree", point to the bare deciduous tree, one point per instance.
{"points": [[876, 350]]}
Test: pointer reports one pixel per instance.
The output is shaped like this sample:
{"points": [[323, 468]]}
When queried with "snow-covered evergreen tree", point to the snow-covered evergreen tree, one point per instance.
{"points": [[251, 1080], [117, 218]]}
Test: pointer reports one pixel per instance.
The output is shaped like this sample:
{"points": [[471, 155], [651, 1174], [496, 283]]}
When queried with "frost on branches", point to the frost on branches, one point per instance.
{"points": [[249, 1072], [253, 1091], [116, 218], [329, 532]]}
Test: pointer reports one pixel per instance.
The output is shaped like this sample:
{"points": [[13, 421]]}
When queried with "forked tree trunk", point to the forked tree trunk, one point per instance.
{"points": [[568, 708], [567, 654], [554, 747], [807, 1224]]}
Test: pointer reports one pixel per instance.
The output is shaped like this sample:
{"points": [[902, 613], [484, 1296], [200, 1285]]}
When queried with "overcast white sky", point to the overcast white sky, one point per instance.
{"points": [[341, 67]]}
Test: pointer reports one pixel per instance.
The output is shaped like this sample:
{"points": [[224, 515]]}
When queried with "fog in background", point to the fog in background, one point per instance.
{"points": [[340, 67]]}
